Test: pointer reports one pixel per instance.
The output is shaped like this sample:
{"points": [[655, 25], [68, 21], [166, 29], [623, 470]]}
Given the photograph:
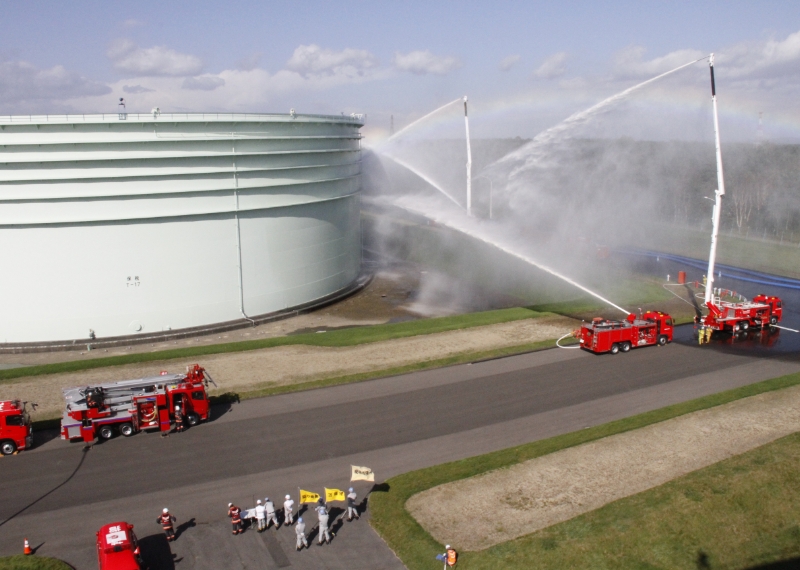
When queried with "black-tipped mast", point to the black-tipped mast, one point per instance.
{"points": [[719, 193]]}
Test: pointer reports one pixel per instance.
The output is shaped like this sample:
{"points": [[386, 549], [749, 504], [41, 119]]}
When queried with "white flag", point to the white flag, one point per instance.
{"points": [[362, 474]]}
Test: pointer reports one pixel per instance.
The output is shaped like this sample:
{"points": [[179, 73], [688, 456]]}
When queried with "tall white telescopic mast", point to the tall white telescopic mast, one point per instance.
{"points": [[719, 193], [469, 161]]}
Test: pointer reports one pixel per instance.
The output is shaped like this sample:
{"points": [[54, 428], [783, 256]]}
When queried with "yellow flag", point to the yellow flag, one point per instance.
{"points": [[333, 495], [308, 497], [361, 473]]}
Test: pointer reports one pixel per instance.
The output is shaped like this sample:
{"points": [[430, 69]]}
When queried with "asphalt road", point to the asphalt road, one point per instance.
{"points": [[57, 495]]}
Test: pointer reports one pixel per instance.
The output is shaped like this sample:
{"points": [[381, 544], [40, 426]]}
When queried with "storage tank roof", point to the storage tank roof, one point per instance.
{"points": [[353, 118]]}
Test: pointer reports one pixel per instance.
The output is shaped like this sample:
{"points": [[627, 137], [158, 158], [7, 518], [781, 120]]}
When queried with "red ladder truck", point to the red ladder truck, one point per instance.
{"points": [[15, 427], [603, 335], [735, 317], [130, 406]]}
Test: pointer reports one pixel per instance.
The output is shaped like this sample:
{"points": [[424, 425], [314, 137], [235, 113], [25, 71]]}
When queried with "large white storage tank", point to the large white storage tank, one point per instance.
{"points": [[135, 224]]}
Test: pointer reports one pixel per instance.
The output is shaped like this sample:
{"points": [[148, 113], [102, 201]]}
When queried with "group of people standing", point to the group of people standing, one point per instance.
{"points": [[265, 514]]}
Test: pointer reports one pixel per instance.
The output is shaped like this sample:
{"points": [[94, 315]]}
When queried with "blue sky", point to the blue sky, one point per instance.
{"points": [[539, 60]]}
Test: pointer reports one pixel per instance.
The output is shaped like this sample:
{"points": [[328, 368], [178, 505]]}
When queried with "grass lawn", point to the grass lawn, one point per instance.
{"points": [[345, 337], [737, 499], [33, 562], [739, 513]]}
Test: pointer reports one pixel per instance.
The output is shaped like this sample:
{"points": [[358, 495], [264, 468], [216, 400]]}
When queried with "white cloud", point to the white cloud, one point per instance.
{"points": [[129, 58], [552, 67], [629, 63], [250, 62], [133, 89], [312, 59], [770, 59], [509, 62], [22, 83], [202, 83], [424, 62]]}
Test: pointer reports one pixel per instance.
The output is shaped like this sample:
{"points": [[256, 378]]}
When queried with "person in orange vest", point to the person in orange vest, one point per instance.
{"points": [[450, 557], [166, 520], [235, 513]]}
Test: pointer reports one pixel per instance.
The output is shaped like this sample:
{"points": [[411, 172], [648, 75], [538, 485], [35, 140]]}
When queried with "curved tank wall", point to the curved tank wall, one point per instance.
{"points": [[140, 223]]}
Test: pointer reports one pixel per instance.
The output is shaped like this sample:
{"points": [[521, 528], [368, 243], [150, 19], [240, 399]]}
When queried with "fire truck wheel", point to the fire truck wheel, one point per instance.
{"points": [[193, 419], [662, 340], [126, 430], [8, 447], [737, 327], [773, 321], [626, 346], [106, 432], [745, 326], [614, 348]]}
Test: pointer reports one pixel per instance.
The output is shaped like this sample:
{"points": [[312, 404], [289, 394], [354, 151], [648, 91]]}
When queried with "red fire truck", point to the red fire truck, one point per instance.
{"points": [[603, 335], [117, 548], [134, 405], [735, 317], [15, 427]]}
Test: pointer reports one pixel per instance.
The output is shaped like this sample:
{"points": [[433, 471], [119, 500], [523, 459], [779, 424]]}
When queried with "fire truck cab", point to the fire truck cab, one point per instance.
{"points": [[15, 427], [117, 548]]}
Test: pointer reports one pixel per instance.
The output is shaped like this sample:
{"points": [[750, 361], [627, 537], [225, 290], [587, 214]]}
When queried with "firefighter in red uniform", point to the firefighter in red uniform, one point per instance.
{"points": [[166, 521], [235, 513]]}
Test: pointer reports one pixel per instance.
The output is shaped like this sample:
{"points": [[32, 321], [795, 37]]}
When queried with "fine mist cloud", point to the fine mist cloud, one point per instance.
{"points": [[129, 58], [423, 62]]}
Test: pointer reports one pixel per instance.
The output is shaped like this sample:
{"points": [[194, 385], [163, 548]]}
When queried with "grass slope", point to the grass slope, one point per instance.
{"points": [[344, 337], [33, 562], [738, 513], [416, 548]]}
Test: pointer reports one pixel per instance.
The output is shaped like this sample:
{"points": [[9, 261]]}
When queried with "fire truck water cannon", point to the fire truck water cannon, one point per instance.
{"points": [[725, 316], [130, 406], [16, 432], [603, 335]]}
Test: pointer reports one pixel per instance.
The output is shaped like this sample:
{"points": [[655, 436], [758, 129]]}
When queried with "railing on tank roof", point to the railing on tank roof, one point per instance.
{"points": [[167, 117]]}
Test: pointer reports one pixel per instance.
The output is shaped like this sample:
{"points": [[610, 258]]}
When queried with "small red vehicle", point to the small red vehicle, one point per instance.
{"points": [[130, 406], [15, 427], [736, 317], [117, 548], [603, 335]]}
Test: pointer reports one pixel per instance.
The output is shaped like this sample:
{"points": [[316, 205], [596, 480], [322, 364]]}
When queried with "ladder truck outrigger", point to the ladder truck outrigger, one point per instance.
{"points": [[130, 406]]}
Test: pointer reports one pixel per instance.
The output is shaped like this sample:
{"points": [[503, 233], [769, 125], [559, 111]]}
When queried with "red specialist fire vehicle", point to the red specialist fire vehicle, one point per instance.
{"points": [[735, 317], [601, 335], [117, 548], [15, 427], [133, 405]]}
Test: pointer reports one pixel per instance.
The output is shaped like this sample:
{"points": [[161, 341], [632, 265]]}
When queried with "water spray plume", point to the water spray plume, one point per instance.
{"points": [[576, 119], [422, 175], [469, 227], [407, 127]]}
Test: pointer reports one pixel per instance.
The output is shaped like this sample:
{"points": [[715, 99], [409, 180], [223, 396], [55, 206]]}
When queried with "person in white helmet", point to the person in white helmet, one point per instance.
{"points": [[322, 513], [288, 514], [352, 511], [269, 507], [300, 532], [166, 520], [179, 426], [260, 516]]}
